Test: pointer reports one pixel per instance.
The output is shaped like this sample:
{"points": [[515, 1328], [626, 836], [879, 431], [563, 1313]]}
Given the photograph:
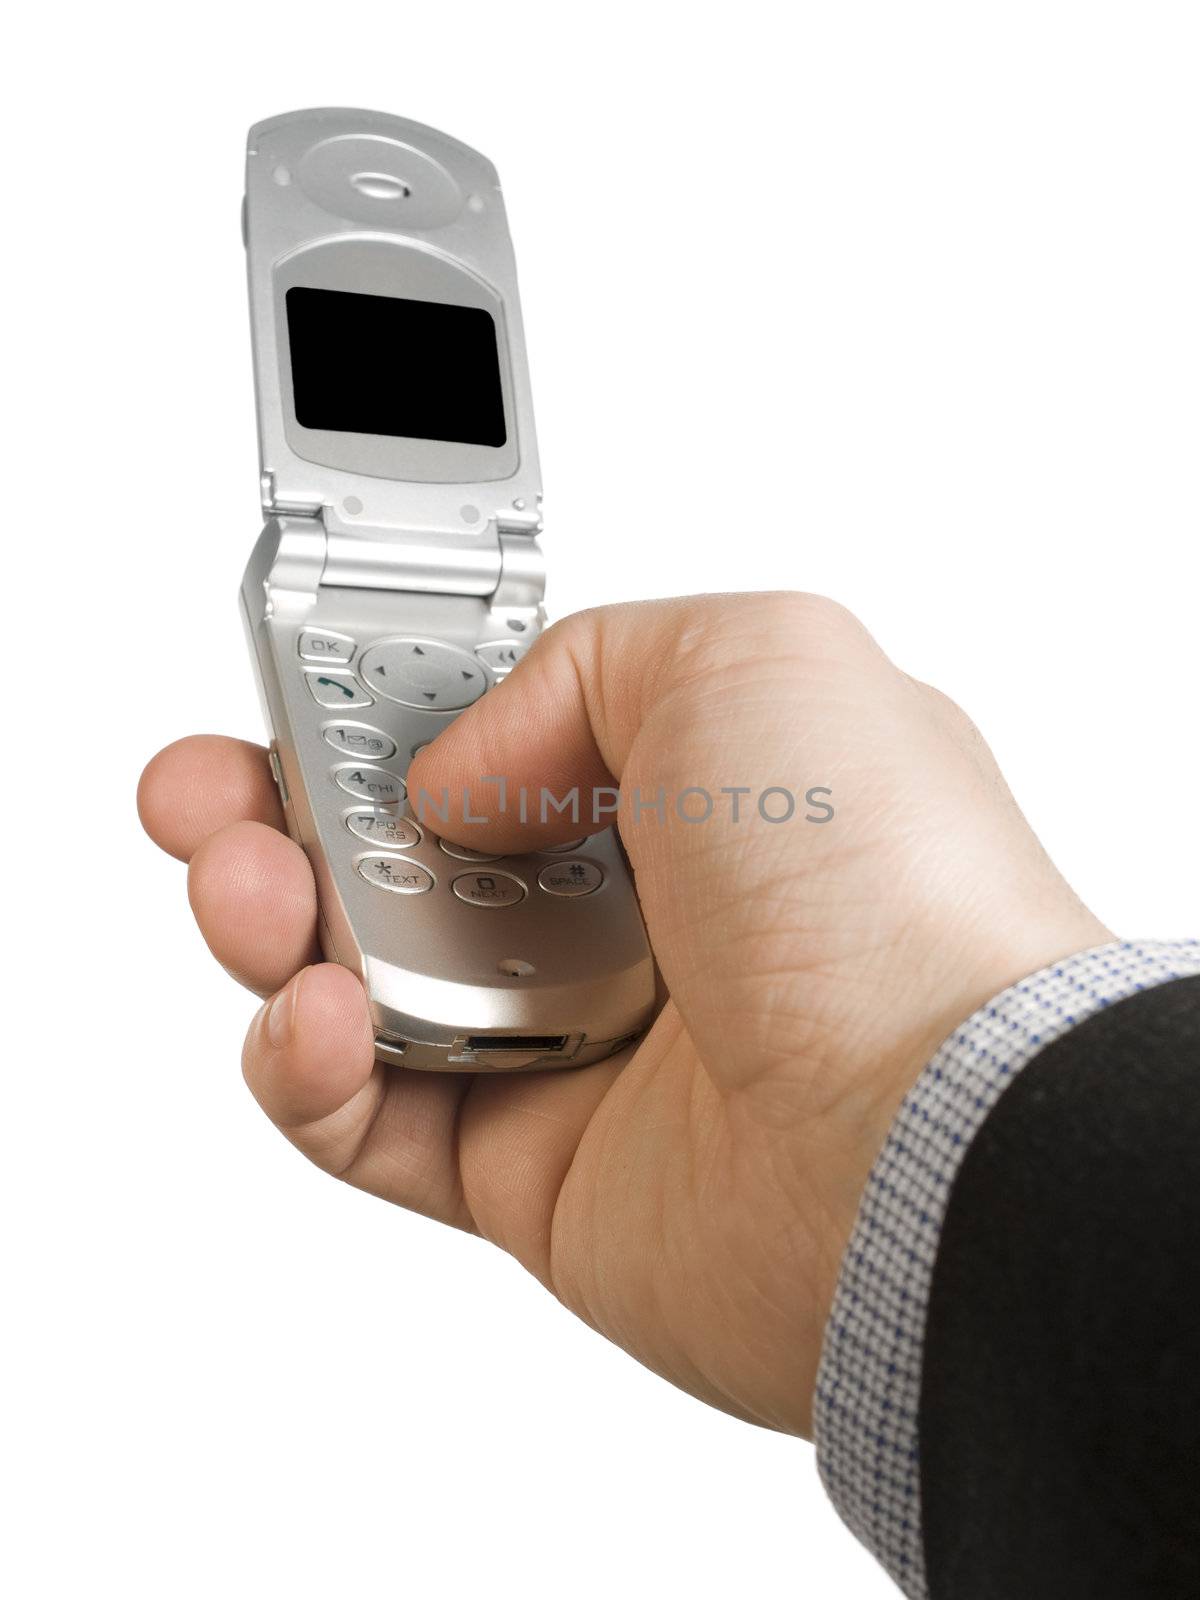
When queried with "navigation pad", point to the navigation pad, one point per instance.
{"points": [[426, 674]]}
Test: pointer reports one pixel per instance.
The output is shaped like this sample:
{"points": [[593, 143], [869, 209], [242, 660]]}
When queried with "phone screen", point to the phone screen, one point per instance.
{"points": [[407, 369]]}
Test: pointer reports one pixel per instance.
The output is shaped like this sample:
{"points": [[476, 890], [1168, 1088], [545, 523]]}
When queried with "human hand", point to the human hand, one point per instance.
{"points": [[689, 1198]]}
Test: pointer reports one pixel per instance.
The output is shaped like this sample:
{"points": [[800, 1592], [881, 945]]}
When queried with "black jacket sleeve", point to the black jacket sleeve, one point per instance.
{"points": [[1059, 1416]]}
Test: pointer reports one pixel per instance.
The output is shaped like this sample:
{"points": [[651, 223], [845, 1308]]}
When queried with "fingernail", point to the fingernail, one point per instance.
{"points": [[281, 1013]]}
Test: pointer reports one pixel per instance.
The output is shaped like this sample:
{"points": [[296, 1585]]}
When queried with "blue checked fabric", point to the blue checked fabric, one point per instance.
{"points": [[869, 1382]]}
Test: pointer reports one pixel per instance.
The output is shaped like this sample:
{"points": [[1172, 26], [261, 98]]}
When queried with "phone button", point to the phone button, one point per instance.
{"points": [[428, 674], [488, 889], [277, 773], [564, 849], [395, 874], [462, 852], [317, 645], [370, 783], [502, 655], [571, 878], [356, 739], [340, 689], [378, 826]]}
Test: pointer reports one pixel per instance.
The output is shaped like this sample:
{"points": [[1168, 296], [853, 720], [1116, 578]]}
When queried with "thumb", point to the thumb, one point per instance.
{"points": [[604, 683], [563, 719], [683, 699]]}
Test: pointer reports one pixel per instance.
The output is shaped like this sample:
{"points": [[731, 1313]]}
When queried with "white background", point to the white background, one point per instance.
{"points": [[892, 302]]}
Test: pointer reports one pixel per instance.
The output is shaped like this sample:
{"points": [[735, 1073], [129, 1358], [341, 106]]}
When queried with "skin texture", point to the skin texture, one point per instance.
{"points": [[690, 1198]]}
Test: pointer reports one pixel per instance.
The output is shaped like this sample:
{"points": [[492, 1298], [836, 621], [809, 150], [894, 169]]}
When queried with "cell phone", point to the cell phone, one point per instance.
{"points": [[398, 578]]}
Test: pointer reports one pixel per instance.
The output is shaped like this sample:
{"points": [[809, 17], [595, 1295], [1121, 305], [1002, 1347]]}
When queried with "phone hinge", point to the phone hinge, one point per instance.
{"points": [[295, 564], [504, 566], [517, 597]]}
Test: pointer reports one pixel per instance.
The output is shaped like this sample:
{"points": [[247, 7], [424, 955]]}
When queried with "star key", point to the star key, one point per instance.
{"points": [[395, 874]]}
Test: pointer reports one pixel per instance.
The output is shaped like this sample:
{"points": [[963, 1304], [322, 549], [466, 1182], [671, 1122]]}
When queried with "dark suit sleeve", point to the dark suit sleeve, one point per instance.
{"points": [[1008, 1405], [1059, 1415]]}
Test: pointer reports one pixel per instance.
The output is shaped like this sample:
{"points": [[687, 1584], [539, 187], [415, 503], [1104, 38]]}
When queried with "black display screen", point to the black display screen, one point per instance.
{"points": [[409, 369]]}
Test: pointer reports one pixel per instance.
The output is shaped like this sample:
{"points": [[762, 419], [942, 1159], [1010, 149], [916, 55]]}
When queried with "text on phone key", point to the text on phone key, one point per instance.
{"points": [[357, 740], [395, 874], [371, 783]]}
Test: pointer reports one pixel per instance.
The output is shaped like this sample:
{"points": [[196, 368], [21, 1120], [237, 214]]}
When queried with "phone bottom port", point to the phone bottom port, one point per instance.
{"points": [[544, 1044]]}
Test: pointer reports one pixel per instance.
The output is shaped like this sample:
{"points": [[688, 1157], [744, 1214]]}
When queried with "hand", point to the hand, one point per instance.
{"points": [[689, 1198]]}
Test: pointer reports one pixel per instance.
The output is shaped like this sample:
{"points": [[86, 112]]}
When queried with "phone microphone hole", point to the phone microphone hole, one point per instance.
{"points": [[512, 968]]}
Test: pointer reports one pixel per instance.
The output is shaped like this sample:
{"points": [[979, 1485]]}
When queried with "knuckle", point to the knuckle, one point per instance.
{"points": [[810, 615], [783, 624], [575, 633]]}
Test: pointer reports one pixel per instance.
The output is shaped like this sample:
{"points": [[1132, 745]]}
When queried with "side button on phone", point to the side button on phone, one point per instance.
{"points": [[277, 773]]}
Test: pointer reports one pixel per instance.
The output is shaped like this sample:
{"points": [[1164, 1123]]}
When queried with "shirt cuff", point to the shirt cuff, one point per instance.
{"points": [[869, 1381]]}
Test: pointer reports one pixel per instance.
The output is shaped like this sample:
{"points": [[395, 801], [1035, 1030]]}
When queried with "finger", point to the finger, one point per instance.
{"points": [[310, 1062], [710, 697], [200, 784], [518, 1137], [550, 725], [603, 683], [487, 1154], [252, 892]]}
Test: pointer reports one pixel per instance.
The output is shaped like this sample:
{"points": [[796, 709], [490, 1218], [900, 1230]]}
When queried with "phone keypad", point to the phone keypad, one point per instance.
{"points": [[385, 828], [356, 739], [462, 852], [570, 879], [395, 873], [371, 783], [425, 674], [501, 655], [420, 675], [489, 888], [337, 690], [316, 644]]}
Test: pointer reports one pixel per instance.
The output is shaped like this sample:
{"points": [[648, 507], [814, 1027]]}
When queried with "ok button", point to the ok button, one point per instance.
{"points": [[356, 739]]}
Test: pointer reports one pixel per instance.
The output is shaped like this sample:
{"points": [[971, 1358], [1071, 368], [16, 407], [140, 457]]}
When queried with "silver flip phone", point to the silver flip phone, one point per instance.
{"points": [[398, 577]]}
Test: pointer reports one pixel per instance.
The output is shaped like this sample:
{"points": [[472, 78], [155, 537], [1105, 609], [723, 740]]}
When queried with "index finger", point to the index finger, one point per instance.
{"points": [[201, 784]]}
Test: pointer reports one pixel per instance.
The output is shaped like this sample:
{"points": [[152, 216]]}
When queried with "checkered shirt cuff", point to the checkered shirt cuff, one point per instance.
{"points": [[869, 1382]]}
